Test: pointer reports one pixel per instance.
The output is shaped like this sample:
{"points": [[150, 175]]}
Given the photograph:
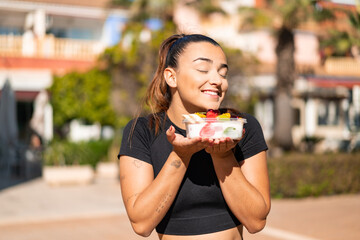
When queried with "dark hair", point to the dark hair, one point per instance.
{"points": [[158, 96]]}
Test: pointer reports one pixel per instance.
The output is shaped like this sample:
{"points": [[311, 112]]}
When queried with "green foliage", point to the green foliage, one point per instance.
{"points": [[289, 14], [207, 7], [240, 65], [337, 43], [303, 175], [254, 18], [122, 3], [132, 63], [82, 96], [143, 10], [354, 19], [60, 153]]}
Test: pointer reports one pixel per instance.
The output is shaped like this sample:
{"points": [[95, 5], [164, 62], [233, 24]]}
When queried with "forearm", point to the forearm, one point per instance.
{"points": [[150, 206], [247, 203]]}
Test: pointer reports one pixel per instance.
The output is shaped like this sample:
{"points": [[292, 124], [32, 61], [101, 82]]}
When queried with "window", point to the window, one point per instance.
{"points": [[297, 116], [328, 112]]}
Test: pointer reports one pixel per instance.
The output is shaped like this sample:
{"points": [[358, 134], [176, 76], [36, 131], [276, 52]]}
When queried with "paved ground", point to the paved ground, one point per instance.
{"points": [[36, 211]]}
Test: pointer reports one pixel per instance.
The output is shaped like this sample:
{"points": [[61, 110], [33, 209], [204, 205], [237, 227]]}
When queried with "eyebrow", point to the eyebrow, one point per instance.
{"points": [[203, 59], [211, 61]]}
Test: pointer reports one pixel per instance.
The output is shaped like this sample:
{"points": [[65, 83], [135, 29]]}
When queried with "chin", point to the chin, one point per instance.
{"points": [[213, 106]]}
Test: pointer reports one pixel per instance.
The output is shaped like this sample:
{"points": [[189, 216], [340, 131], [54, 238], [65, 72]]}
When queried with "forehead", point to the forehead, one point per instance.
{"points": [[205, 50]]}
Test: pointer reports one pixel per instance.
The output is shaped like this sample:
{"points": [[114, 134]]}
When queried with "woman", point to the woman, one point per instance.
{"points": [[197, 188]]}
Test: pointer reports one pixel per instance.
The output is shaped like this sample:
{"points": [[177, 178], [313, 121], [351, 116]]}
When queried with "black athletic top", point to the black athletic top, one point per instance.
{"points": [[199, 206]]}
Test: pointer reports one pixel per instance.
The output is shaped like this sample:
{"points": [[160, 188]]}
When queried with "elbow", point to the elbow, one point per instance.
{"points": [[256, 226], [141, 229]]}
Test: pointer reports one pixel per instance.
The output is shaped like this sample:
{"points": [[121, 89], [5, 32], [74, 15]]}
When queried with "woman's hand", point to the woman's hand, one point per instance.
{"points": [[186, 147], [221, 147]]}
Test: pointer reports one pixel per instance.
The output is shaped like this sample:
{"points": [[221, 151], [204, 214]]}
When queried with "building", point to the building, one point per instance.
{"points": [[45, 37], [326, 91]]}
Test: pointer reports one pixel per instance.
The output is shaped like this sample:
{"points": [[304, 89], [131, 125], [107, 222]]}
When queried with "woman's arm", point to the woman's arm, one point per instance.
{"points": [[245, 185], [147, 199]]}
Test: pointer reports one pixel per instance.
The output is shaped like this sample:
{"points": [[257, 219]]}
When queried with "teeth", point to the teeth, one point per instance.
{"points": [[211, 93]]}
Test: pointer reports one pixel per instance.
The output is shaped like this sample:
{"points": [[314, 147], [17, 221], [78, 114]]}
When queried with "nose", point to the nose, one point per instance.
{"points": [[215, 79]]}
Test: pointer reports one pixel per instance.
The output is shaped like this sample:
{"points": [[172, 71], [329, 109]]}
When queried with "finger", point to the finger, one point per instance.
{"points": [[243, 134], [170, 134], [223, 145], [204, 142]]}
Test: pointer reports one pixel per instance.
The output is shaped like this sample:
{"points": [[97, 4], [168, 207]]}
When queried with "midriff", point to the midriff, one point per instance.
{"points": [[229, 234]]}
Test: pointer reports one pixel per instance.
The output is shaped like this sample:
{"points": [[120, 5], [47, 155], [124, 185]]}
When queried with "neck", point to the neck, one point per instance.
{"points": [[175, 115]]}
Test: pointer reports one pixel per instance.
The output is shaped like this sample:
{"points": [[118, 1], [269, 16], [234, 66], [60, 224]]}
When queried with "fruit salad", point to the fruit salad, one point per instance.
{"points": [[213, 124]]}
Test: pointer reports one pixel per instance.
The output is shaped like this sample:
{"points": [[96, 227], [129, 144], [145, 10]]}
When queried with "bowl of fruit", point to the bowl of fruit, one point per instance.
{"points": [[213, 124]]}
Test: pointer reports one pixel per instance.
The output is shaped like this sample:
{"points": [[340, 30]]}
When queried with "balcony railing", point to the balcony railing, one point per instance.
{"points": [[49, 47], [342, 66]]}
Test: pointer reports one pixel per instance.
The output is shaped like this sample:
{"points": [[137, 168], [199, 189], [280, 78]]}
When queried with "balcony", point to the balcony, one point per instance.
{"points": [[49, 47], [344, 66]]}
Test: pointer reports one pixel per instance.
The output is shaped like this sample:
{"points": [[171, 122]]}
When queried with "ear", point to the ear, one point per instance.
{"points": [[170, 77]]}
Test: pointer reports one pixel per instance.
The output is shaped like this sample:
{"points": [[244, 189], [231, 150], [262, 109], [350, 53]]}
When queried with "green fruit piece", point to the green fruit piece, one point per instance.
{"points": [[231, 132]]}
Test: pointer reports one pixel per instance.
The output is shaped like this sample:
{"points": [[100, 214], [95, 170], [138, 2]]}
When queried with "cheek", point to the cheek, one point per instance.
{"points": [[225, 85], [189, 82]]}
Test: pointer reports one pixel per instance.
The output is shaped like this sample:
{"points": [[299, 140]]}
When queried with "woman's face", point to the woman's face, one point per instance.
{"points": [[201, 81]]}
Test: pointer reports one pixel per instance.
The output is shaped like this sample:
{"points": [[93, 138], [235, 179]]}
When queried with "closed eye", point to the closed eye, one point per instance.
{"points": [[202, 71], [223, 74], [223, 70]]}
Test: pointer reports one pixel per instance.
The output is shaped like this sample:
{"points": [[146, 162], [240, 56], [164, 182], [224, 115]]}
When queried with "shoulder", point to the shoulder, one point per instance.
{"points": [[253, 141], [145, 127], [137, 126], [251, 121]]}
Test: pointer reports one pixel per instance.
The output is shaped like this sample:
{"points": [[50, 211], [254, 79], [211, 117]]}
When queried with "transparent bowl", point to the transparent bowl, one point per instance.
{"points": [[215, 128]]}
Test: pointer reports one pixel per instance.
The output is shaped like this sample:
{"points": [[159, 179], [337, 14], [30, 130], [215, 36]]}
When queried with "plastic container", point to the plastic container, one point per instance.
{"points": [[215, 128]]}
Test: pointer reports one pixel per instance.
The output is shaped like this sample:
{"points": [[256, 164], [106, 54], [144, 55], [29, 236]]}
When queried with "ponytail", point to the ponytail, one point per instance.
{"points": [[158, 95]]}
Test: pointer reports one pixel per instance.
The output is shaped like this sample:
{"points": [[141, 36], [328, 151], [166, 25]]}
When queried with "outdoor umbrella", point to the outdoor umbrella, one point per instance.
{"points": [[8, 127]]}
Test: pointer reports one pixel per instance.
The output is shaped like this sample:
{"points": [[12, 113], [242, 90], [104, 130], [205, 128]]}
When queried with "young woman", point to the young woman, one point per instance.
{"points": [[197, 188]]}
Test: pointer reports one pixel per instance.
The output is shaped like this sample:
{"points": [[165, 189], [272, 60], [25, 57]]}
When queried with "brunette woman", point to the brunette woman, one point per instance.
{"points": [[199, 188]]}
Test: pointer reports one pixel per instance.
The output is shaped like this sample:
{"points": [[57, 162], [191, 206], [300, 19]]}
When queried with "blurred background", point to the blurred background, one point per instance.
{"points": [[73, 73]]}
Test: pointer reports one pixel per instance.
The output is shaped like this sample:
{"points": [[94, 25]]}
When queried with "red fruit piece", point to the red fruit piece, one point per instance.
{"points": [[212, 113], [207, 131]]}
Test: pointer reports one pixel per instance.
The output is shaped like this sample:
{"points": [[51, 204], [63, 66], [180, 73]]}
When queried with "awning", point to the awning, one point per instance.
{"points": [[332, 81], [26, 83]]}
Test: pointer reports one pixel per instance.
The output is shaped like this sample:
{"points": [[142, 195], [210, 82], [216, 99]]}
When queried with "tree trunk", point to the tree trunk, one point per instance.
{"points": [[285, 72]]}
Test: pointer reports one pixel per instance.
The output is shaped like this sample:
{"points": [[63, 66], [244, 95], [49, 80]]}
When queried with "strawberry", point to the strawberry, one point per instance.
{"points": [[207, 131], [212, 113]]}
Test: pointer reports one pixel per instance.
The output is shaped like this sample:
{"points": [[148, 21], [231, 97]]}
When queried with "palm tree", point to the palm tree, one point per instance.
{"points": [[354, 18], [132, 61], [284, 17]]}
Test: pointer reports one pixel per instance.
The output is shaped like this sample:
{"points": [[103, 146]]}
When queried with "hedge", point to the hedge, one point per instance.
{"points": [[299, 175], [61, 152]]}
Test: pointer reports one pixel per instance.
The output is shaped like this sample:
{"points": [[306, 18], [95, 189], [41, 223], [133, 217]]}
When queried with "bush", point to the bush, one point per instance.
{"points": [[60, 153], [83, 96], [302, 175]]}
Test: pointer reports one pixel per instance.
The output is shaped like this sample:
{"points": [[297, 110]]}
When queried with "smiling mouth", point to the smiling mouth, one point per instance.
{"points": [[212, 93]]}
